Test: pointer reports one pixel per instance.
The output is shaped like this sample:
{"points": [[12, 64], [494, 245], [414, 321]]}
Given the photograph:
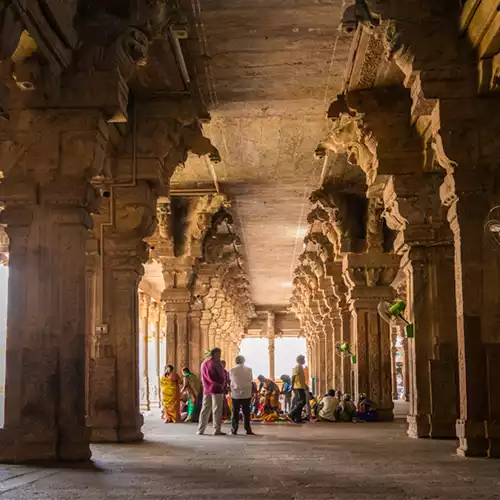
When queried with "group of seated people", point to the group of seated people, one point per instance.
{"points": [[338, 407]]}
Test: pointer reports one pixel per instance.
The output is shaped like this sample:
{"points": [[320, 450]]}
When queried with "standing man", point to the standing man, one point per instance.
{"points": [[287, 393], [213, 378], [299, 390], [241, 394]]}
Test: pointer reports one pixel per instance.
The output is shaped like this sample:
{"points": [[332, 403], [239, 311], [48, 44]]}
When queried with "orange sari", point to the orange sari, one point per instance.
{"points": [[171, 397]]}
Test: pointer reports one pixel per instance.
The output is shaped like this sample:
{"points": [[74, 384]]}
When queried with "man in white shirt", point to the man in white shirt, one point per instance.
{"points": [[328, 407], [241, 393]]}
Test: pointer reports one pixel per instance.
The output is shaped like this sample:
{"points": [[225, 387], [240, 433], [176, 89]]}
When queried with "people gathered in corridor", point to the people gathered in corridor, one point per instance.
{"points": [[223, 395]]}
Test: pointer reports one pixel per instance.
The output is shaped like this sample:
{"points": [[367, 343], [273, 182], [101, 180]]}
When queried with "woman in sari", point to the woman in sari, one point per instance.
{"points": [[193, 390], [170, 395]]}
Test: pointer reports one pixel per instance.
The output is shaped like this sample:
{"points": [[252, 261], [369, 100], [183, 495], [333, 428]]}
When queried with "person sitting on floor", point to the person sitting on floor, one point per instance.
{"points": [[328, 407], [272, 395], [347, 409], [366, 409]]}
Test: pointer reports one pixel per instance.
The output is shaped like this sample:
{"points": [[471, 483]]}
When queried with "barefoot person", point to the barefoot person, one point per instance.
{"points": [[213, 378]]}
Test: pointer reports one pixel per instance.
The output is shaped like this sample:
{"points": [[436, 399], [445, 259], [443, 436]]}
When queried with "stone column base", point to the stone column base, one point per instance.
{"points": [[478, 439], [427, 426], [113, 434], [419, 426], [122, 435], [22, 448]]}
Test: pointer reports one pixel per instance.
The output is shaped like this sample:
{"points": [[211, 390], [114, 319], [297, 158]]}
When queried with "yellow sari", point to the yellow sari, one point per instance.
{"points": [[170, 397]]}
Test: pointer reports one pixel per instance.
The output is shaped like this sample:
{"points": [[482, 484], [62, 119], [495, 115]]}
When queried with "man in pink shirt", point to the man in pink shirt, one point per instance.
{"points": [[213, 378]]}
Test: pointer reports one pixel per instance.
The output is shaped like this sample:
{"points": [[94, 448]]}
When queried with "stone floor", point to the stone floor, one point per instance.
{"points": [[313, 461]]}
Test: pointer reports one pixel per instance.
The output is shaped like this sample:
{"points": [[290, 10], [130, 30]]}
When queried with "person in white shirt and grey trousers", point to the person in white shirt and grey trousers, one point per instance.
{"points": [[241, 394]]}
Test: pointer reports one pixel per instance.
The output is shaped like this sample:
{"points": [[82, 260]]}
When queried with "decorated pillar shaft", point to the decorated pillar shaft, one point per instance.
{"points": [[271, 334], [115, 413], [45, 357], [477, 327], [195, 344], [367, 276], [433, 348], [347, 368], [394, 334], [144, 310]]}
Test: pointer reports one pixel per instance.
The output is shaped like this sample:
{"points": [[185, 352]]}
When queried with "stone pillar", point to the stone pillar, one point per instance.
{"points": [[204, 326], [367, 277], [182, 340], [394, 333], [309, 355], [336, 336], [195, 346], [171, 353], [328, 332], [144, 309], [433, 349], [476, 282], [347, 368], [322, 362], [91, 312], [45, 357], [406, 372], [163, 340], [155, 372], [414, 209], [115, 414], [271, 335]]}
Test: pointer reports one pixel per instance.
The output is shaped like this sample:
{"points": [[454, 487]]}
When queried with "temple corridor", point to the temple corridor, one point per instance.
{"points": [[311, 462], [181, 179]]}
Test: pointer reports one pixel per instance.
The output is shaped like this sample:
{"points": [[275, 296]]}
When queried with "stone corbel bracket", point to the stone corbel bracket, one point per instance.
{"points": [[37, 45]]}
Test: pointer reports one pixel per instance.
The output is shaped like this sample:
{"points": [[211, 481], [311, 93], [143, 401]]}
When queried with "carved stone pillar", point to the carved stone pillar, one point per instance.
{"points": [[394, 333], [328, 332], [406, 372], [91, 312], [115, 412], [433, 349], [171, 343], [155, 369], [424, 241], [195, 346], [177, 308], [368, 277], [45, 357], [182, 340], [323, 385], [204, 326], [271, 335], [163, 340], [347, 368], [144, 309], [476, 284]]}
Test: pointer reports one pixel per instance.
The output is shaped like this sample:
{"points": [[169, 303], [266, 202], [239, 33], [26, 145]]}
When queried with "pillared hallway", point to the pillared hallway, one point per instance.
{"points": [[179, 175]]}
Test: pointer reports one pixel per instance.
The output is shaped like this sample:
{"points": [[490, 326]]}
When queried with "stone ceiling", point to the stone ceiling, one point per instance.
{"points": [[270, 69]]}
